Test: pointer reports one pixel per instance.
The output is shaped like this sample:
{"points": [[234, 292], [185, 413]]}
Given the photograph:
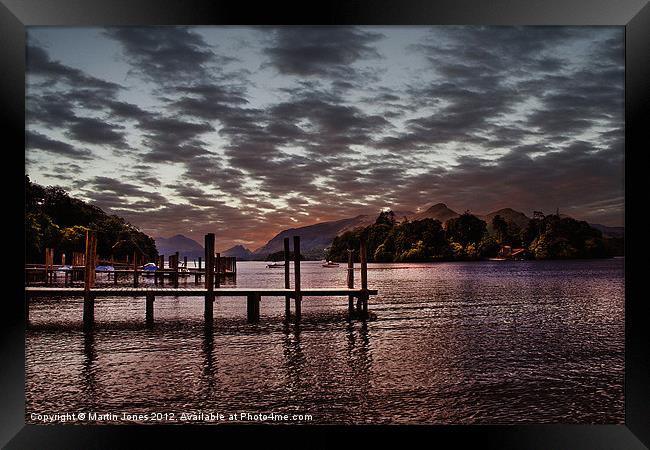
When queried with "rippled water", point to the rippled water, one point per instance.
{"points": [[486, 342]]}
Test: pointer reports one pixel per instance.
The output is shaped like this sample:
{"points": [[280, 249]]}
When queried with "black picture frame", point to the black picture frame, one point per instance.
{"points": [[634, 15]]}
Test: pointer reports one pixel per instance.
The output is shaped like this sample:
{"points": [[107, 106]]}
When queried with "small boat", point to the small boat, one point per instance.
{"points": [[330, 264], [64, 268], [150, 267], [104, 268], [274, 265]]}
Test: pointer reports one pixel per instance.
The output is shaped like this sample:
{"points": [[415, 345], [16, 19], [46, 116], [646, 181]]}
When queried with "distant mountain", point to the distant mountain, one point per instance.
{"points": [[240, 252], [509, 215], [609, 232], [439, 211], [314, 239], [179, 243]]}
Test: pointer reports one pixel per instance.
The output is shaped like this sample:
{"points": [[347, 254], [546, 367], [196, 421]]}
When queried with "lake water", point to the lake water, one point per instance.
{"points": [[483, 342]]}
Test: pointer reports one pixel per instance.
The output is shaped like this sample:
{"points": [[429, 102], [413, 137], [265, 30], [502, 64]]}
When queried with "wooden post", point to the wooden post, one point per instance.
{"points": [[199, 263], [350, 279], [149, 308], [89, 279], [296, 273], [209, 278], [27, 299], [161, 268], [135, 269], [287, 278], [176, 256], [49, 264], [364, 276], [253, 307], [217, 281]]}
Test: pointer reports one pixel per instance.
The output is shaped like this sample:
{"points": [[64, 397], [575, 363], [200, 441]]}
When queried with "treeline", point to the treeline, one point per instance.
{"points": [[467, 238], [55, 220]]}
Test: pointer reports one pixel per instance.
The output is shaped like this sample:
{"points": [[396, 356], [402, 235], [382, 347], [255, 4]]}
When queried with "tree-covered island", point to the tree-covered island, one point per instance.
{"points": [[469, 238]]}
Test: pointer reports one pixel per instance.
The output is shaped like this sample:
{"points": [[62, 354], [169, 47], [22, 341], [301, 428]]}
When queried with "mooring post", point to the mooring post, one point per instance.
{"points": [[350, 280], [287, 278], [209, 279], [161, 268], [185, 261], [149, 308], [49, 257], [135, 269], [176, 258], [253, 307], [89, 279], [364, 276], [217, 281], [296, 273]]}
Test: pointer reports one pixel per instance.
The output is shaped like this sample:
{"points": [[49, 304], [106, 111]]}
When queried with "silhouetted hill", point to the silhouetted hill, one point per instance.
{"points": [[240, 252], [179, 243], [509, 215], [314, 239], [439, 211]]}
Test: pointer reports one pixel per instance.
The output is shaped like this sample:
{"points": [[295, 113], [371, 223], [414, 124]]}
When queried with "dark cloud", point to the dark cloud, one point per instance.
{"points": [[39, 64], [166, 55], [95, 131], [320, 51], [37, 141]]}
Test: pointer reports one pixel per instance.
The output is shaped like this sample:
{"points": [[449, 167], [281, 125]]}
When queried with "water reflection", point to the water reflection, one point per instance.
{"points": [[89, 369], [294, 358], [359, 360], [208, 372]]}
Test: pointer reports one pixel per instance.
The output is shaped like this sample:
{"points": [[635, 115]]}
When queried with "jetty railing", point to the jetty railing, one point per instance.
{"points": [[214, 264]]}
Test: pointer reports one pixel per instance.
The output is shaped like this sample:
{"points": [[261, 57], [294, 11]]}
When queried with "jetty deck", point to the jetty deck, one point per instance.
{"points": [[37, 291], [211, 276]]}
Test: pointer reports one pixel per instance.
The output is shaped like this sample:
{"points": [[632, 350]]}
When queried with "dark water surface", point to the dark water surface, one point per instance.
{"points": [[486, 342]]}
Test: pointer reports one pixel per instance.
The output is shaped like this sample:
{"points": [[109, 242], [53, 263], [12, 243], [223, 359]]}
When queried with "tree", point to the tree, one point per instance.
{"points": [[386, 218], [466, 229], [500, 227]]}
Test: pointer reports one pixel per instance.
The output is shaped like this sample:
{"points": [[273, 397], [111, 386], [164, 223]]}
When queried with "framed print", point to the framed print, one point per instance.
{"points": [[412, 217]]}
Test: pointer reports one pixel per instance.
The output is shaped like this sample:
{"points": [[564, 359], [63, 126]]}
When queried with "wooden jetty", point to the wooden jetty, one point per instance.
{"points": [[211, 288]]}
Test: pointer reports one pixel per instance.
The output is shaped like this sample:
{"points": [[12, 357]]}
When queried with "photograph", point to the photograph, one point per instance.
{"points": [[325, 224]]}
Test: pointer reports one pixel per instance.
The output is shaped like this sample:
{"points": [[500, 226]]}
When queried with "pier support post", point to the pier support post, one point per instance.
{"points": [[209, 278], [364, 278], [253, 307], [217, 270], [287, 278], [350, 280], [176, 256], [89, 310], [149, 308], [89, 278], [296, 273], [27, 300], [135, 270]]}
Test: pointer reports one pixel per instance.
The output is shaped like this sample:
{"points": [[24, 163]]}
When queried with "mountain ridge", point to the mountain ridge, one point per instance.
{"points": [[316, 238]]}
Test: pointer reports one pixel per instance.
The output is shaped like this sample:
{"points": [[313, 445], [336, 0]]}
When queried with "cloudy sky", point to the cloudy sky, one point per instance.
{"points": [[248, 131]]}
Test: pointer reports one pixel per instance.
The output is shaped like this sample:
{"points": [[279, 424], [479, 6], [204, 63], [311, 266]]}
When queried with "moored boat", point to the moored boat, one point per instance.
{"points": [[330, 264]]}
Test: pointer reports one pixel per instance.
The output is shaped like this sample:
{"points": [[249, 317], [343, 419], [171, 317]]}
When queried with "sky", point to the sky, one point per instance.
{"points": [[247, 131]]}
